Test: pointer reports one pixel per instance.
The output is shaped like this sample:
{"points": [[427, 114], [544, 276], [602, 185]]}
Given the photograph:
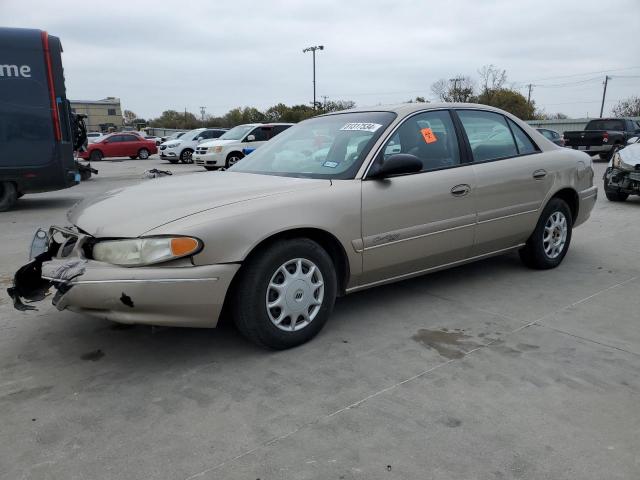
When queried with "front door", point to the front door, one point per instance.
{"points": [[417, 222], [513, 179]]}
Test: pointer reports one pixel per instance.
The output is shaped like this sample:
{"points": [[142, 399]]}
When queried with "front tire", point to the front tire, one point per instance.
{"points": [[186, 156], [233, 158], [143, 154], [615, 196], [285, 294], [549, 242]]}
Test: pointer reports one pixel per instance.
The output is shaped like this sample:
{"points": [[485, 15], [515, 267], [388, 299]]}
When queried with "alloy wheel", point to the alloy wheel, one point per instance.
{"points": [[554, 236]]}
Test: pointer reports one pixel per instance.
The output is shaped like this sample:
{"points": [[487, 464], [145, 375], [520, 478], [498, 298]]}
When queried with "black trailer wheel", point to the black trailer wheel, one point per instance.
{"points": [[8, 195]]}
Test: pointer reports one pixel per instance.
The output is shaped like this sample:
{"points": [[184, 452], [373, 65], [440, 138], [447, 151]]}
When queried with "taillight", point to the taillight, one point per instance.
{"points": [[605, 137]]}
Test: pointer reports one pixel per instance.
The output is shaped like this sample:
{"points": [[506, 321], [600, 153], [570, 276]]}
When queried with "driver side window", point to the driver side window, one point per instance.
{"points": [[430, 136]]}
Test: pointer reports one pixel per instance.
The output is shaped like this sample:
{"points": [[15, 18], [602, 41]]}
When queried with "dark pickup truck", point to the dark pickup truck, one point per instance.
{"points": [[38, 132], [602, 136]]}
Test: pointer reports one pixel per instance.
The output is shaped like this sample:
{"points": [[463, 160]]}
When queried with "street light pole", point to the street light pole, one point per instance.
{"points": [[313, 51]]}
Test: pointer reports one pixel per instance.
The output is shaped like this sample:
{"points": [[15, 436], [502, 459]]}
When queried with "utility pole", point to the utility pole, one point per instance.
{"points": [[185, 117], [529, 95], [203, 110], [604, 94], [324, 104], [313, 51]]}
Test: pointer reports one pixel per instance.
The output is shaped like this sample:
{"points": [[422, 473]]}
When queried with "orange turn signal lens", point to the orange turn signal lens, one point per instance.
{"points": [[182, 246]]}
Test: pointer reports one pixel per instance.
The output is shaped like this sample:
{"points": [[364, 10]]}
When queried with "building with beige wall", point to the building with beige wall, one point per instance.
{"points": [[102, 115]]}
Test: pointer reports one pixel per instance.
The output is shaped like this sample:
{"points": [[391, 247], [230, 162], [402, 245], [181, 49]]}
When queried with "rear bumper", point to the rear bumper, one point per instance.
{"points": [[588, 199], [593, 149]]}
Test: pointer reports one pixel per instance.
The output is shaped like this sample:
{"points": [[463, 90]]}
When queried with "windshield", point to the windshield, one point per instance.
{"points": [[331, 146], [173, 136], [605, 125], [192, 134], [237, 133]]}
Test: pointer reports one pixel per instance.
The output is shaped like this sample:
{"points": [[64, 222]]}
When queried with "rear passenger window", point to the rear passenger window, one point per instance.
{"points": [[523, 142], [430, 136], [488, 134]]}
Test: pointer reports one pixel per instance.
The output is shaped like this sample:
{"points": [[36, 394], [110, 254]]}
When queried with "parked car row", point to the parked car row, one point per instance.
{"points": [[181, 149]]}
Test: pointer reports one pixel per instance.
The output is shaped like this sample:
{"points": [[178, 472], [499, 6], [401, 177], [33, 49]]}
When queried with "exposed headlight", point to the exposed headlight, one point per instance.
{"points": [[616, 160], [172, 145], [145, 251], [217, 149]]}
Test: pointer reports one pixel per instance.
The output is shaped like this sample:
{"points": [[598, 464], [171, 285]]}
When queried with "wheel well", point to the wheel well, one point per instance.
{"points": [[325, 239], [96, 150], [235, 151], [570, 196]]}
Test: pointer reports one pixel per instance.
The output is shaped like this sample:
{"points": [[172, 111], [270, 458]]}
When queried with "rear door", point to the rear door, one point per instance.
{"points": [[412, 223], [129, 145], [513, 178]]}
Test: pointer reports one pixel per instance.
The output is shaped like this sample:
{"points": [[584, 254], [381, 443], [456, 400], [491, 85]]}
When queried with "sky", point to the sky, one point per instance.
{"points": [[166, 54]]}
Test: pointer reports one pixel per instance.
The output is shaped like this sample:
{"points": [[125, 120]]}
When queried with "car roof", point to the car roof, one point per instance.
{"points": [[403, 109]]}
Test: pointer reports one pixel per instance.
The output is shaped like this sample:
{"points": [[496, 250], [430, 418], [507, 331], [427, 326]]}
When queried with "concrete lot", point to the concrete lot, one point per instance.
{"points": [[488, 371]]}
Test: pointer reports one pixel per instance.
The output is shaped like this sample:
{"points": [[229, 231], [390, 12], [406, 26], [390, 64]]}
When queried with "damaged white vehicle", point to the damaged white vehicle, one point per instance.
{"points": [[622, 177]]}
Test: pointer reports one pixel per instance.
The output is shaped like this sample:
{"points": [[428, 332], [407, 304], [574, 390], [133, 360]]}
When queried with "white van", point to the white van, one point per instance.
{"points": [[228, 149]]}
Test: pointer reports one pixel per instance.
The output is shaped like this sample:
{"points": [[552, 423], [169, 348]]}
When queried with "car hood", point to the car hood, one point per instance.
{"points": [[174, 143], [217, 143], [630, 157], [132, 211]]}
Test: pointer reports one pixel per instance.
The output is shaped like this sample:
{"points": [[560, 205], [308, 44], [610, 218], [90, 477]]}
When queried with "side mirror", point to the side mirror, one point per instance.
{"points": [[251, 138], [632, 140], [398, 164]]}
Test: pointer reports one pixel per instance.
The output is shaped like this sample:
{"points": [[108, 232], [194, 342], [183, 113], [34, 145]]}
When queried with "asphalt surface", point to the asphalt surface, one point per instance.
{"points": [[487, 371]]}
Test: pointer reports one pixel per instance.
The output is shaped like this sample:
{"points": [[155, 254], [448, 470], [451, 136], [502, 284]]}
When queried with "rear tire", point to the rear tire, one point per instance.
{"points": [[8, 195], [96, 156], [285, 294], [143, 154], [549, 242]]}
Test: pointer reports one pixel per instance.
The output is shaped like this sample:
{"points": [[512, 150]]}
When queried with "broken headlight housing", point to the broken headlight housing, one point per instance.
{"points": [[137, 252]]}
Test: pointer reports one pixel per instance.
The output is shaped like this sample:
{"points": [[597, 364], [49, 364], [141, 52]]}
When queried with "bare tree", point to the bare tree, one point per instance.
{"points": [[129, 117], [629, 107], [458, 89], [492, 78]]}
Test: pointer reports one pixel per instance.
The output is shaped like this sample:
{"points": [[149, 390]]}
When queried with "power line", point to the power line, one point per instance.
{"points": [[586, 73]]}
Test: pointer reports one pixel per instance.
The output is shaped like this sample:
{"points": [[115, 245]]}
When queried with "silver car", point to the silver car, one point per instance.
{"points": [[335, 204]]}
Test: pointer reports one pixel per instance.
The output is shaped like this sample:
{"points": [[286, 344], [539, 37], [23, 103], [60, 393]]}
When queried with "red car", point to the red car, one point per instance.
{"points": [[127, 144]]}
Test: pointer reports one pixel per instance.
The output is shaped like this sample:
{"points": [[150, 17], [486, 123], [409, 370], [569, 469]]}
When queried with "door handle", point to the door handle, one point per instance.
{"points": [[460, 190], [538, 174]]}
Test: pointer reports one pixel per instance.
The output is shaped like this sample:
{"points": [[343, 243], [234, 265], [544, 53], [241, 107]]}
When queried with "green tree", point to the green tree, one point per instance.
{"points": [[510, 100], [175, 119]]}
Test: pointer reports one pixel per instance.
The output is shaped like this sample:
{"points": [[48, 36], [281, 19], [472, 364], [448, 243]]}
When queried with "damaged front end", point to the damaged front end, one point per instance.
{"points": [[56, 258], [622, 176]]}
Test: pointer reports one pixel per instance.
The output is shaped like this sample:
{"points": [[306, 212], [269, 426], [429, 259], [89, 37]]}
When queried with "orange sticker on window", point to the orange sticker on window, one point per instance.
{"points": [[428, 135]]}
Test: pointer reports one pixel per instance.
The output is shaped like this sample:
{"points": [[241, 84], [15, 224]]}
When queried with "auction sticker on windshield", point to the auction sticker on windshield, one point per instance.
{"points": [[361, 127]]}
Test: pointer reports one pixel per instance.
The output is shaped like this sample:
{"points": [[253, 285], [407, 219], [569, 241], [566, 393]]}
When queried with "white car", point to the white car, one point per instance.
{"points": [[228, 149], [93, 136], [182, 148]]}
